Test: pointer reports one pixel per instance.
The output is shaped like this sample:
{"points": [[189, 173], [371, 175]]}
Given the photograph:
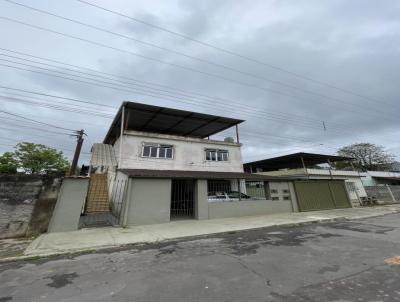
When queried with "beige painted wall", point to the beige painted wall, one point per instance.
{"points": [[148, 201], [247, 208], [189, 153], [69, 205]]}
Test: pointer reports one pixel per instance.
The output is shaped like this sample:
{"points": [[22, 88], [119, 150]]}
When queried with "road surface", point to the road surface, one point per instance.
{"points": [[341, 261]]}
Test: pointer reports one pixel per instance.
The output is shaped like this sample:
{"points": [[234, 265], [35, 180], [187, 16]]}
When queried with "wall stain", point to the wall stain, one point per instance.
{"points": [[5, 299]]}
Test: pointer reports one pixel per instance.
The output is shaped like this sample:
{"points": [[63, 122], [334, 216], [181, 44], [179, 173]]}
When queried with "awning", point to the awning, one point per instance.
{"points": [[294, 161], [103, 155], [145, 173], [155, 119]]}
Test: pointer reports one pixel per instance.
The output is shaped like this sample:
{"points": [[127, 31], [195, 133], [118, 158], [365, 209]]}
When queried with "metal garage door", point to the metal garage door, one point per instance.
{"points": [[321, 195]]}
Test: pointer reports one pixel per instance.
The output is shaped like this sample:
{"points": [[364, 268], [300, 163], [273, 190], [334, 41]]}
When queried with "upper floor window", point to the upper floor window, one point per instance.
{"points": [[157, 151], [217, 155]]}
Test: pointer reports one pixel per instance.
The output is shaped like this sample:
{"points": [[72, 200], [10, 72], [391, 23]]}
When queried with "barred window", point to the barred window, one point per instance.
{"points": [[157, 151]]}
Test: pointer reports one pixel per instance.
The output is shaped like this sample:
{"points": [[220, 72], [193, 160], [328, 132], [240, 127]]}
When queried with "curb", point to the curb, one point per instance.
{"points": [[115, 246]]}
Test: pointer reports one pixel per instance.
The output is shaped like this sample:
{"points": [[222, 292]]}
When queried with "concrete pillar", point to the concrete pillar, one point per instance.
{"points": [[293, 197], [201, 199]]}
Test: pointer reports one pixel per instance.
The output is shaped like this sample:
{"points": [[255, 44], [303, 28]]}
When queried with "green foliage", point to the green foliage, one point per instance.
{"points": [[33, 159], [367, 156], [8, 163]]}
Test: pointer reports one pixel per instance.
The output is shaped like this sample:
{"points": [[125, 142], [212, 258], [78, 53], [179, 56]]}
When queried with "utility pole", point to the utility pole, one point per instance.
{"points": [[79, 142]]}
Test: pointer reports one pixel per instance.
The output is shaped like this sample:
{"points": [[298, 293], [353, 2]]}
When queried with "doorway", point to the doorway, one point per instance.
{"points": [[182, 199]]}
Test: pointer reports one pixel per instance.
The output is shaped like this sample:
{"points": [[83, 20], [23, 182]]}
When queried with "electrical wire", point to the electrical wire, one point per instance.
{"points": [[177, 65], [101, 29], [236, 54]]}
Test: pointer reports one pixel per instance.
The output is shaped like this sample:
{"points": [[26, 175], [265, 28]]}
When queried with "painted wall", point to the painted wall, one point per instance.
{"points": [[348, 176], [247, 208], [148, 201], [189, 153], [69, 205]]}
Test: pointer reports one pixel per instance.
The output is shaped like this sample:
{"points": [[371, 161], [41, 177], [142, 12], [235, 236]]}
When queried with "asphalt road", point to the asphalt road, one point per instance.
{"points": [[343, 261]]}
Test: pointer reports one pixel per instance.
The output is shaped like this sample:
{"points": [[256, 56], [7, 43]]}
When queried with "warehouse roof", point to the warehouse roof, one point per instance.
{"points": [[148, 118]]}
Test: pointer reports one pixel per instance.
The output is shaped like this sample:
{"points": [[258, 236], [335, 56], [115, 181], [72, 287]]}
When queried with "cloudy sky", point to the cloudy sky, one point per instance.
{"points": [[286, 67]]}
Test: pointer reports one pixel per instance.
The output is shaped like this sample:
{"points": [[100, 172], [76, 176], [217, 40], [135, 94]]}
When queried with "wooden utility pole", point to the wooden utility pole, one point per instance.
{"points": [[79, 142]]}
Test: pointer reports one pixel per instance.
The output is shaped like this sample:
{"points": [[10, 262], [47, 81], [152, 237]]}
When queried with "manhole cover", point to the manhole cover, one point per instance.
{"points": [[393, 260]]}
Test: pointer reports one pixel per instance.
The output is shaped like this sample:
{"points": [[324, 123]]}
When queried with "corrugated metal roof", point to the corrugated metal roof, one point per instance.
{"points": [[293, 161], [146, 173], [103, 155], [155, 119]]}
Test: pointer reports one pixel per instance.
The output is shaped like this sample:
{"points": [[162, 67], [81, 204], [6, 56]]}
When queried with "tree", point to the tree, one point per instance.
{"points": [[8, 163], [39, 159], [367, 156]]}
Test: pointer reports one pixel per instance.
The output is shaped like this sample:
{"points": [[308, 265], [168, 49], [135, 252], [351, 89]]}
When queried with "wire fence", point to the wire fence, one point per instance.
{"points": [[384, 194]]}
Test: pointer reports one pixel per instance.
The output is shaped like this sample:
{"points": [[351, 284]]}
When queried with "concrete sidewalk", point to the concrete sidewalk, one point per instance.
{"points": [[97, 238]]}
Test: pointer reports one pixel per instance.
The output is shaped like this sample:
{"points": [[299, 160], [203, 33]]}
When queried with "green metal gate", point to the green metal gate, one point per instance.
{"points": [[321, 194]]}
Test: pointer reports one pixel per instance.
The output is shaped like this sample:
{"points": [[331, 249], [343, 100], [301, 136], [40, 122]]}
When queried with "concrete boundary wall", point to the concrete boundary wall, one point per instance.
{"points": [[70, 202], [227, 209], [148, 201]]}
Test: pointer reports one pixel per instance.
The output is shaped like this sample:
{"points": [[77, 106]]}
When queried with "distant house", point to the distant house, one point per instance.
{"points": [[377, 178], [157, 164], [311, 166]]}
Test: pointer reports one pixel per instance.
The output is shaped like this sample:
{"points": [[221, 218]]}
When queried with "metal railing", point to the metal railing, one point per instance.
{"points": [[237, 190], [385, 194]]}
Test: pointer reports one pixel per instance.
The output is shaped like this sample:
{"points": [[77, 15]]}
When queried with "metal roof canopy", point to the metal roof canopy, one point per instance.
{"points": [[146, 173], [294, 161], [155, 119]]}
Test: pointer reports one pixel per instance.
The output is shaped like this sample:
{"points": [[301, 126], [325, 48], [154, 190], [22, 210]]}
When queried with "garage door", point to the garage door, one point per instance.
{"points": [[321, 195]]}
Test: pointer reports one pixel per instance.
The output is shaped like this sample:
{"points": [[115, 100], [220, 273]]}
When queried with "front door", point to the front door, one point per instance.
{"points": [[182, 199]]}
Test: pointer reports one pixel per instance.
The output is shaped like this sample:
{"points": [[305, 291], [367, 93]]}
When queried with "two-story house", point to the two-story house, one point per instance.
{"points": [[158, 163]]}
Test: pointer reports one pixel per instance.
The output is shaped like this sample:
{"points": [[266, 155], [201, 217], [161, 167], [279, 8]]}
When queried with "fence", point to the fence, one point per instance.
{"points": [[236, 190], [385, 194]]}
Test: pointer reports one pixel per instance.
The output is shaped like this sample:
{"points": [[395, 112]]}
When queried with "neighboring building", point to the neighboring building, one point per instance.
{"points": [[158, 163], [377, 178], [311, 166]]}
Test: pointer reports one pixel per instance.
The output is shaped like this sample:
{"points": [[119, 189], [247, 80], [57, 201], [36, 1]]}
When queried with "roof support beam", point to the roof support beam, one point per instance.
{"points": [[201, 126]]}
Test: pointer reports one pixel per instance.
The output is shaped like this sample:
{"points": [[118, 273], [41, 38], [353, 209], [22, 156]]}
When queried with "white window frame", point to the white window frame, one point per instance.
{"points": [[158, 148], [215, 152]]}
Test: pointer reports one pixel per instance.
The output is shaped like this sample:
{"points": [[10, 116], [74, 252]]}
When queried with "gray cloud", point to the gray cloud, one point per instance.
{"points": [[353, 45]]}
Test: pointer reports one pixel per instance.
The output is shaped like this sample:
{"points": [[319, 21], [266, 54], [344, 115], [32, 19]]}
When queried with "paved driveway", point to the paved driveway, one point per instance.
{"points": [[342, 261]]}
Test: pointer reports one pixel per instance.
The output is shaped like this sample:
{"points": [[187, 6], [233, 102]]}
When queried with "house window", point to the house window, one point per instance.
{"points": [[217, 155], [157, 151]]}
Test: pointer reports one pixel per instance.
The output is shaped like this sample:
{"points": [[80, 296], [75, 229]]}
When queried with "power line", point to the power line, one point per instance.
{"points": [[177, 65], [136, 90], [185, 92], [233, 53], [62, 148], [32, 120], [173, 51]]}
